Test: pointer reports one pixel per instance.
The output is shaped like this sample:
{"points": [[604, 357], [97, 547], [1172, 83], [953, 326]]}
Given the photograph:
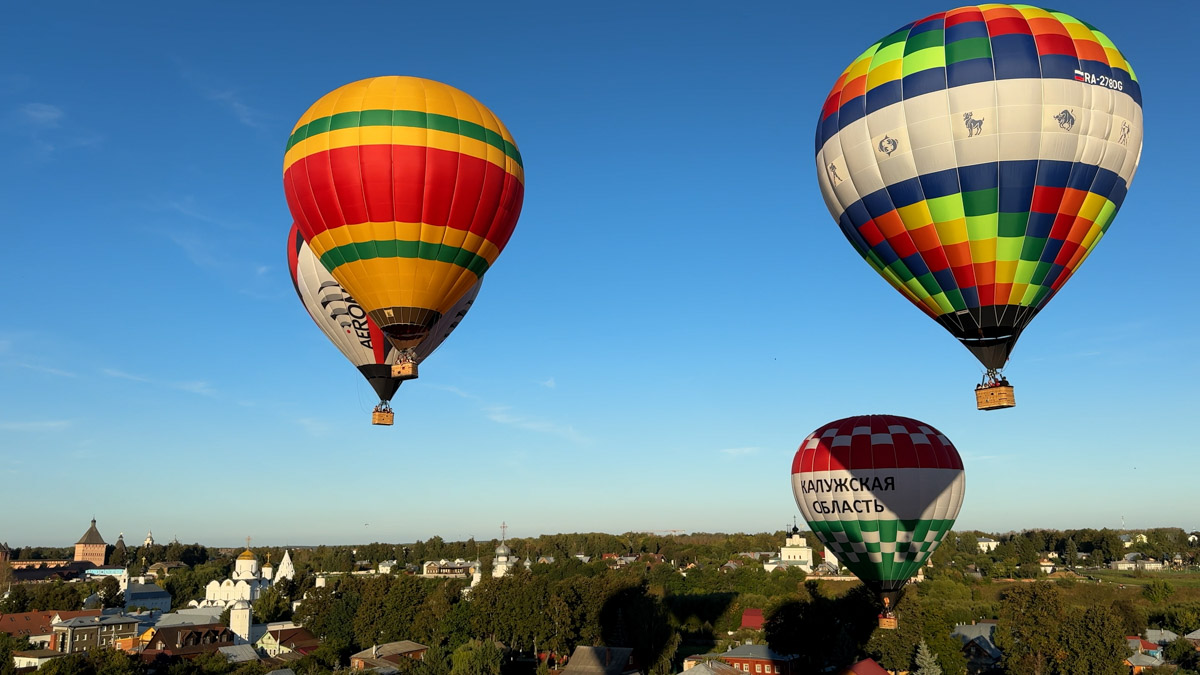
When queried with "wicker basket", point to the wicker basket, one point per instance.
{"points": [[384, 417], [888, 622], [995, 398], [404, 371]]}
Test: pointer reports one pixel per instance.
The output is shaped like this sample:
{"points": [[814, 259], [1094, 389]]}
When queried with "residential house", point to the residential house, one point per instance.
{"points": [[986, 544], [1140, 662], [713, 668], [387, 655], [751, 659], [1046, 566], [296, 640], [148, 596], [442, 569], [388, 566], [1123, 565], [87, 632], [162, 570], [865, 667], [34, 658], [1149, 565], [1161, 638], [1141, 646], [600, 661], [239, 653], [37, 627], [1193, 637], [188, 641], [752, 619], [978, 645]]}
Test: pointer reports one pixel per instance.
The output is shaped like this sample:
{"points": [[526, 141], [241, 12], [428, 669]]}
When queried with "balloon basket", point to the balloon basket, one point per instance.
{"points": [[383, 417], [995, 398], [888, 622], [404, 371]]}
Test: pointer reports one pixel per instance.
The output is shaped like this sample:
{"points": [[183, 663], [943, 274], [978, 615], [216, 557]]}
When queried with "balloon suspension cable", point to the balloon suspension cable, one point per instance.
{"points": [[993, 378]]}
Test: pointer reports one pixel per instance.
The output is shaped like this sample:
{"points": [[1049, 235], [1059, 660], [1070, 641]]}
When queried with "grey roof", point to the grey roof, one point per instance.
{"points": [[144, 590], [1144, 660], [979, 633], [984, 539], [282, 671], [598, 661], [190, 617], [92, 536], [713, 668], [81, 621], [239, 653], [1194, 635], [747, 652], [390, 649], [1160, 637]]}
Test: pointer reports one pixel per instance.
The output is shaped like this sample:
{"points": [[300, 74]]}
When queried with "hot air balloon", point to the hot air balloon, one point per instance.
{"points": [[407, 190], [348, 327], [974, 158], [880, 491]]}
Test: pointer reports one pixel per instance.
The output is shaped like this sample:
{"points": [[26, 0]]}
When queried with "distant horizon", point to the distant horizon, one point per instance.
{"points": [[138, 541]]}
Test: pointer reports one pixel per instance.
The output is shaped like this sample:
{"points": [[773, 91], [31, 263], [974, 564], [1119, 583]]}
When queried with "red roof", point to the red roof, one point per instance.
{"points": [[1146, 644], [752, 619], [27, 624], [865, 667]]}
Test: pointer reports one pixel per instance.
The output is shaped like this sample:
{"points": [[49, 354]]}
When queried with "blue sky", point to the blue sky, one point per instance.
{"points": [[674, 313]]}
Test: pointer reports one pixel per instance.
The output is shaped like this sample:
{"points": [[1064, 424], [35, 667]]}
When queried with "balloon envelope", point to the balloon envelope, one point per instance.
{"points": [[347, 325], [407, 190], [880, 491], [974, 158]]}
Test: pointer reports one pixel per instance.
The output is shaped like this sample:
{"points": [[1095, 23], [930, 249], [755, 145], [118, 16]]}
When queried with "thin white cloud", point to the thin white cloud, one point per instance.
{"points": [[456, 391], [46, 369], [739, 452], [549, 384], [313, 426], [42, 114], [40, 425], [246, 114], [502, 415], [113, 372], [45, 127], [199, 387]]}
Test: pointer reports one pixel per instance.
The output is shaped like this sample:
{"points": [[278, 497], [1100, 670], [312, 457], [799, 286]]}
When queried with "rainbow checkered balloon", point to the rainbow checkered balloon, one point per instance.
{"points": [[975, 157], [880, 491]]}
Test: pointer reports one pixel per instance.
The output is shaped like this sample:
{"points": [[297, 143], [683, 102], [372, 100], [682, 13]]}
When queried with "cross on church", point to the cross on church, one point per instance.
{"points": [[503, 531], [247, 542]]}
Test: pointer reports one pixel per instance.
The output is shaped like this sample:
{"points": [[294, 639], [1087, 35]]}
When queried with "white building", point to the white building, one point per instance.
{"points": [[247, 581], [986, 544], [794, 553], [504, 562]]}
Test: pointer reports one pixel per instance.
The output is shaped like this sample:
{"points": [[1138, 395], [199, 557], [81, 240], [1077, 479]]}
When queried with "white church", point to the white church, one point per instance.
{"points": [[247, 582]]}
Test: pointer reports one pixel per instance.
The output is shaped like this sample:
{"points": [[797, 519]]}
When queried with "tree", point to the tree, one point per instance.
{"points": [[926, 661], [1157, 591], [1091, 641], [1071, 554], [110, 593], [271, 606], [8, 645], [477, 657], [1028, 629], [1182, 652]]}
